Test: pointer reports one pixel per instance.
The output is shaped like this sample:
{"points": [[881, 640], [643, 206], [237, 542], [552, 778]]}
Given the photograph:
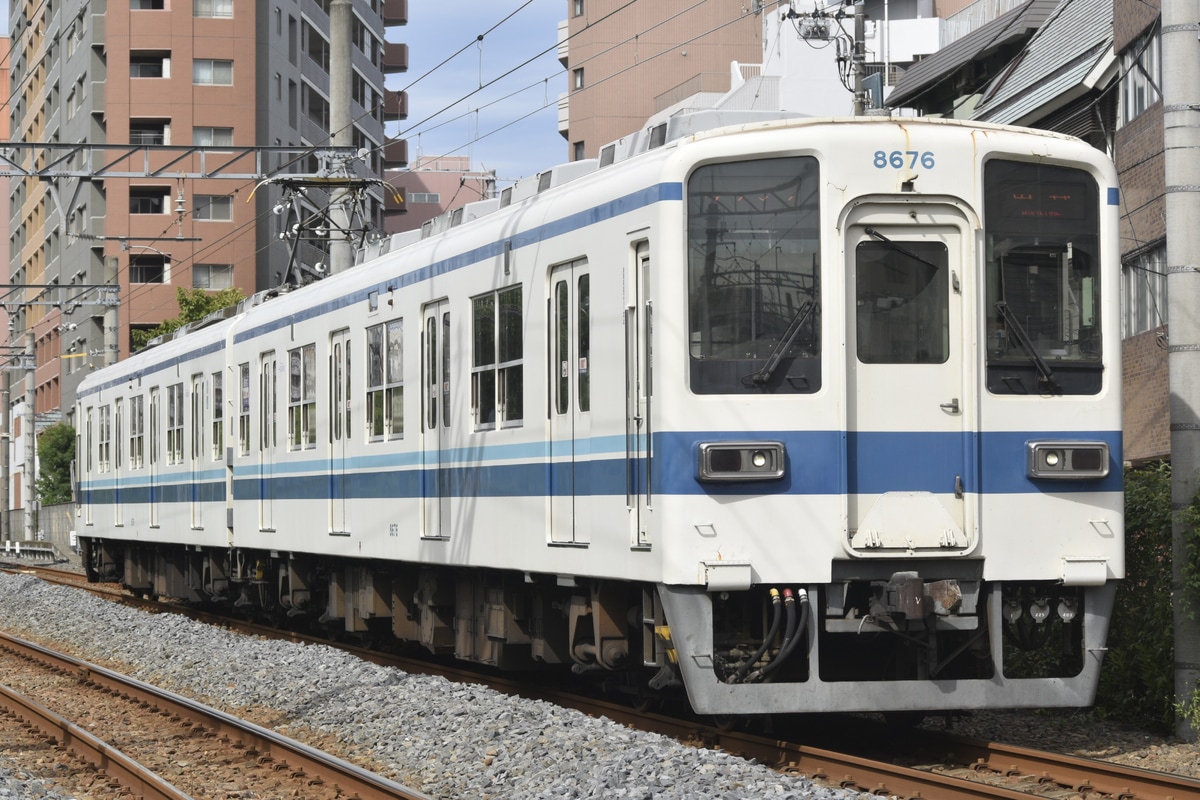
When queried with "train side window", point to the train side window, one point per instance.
{"points": [[583, 336], [104, 440], [302, 398], [497, 364], [118, 432], [385, 381], [446, 369], [88, 438], [218, 415], [154, 429], [197, 416], [175, 424], [267, 406], [244, 408], [137, 432]]}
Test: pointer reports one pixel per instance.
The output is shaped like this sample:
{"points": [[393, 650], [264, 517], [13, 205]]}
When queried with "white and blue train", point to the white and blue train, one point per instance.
{"points": [[795, 414]]}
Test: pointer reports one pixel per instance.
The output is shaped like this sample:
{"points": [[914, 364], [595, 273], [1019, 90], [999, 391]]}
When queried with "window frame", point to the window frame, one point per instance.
{"points": [[205, 71], [302, 397], [498, 359]]}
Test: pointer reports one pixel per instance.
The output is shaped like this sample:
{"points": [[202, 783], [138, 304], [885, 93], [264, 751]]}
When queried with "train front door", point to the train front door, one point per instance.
{"points": [[571, 404], [435, 420], [909, 411]]}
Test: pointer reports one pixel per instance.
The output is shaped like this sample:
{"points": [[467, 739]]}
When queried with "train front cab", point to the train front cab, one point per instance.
{"points": [[981, 487]]}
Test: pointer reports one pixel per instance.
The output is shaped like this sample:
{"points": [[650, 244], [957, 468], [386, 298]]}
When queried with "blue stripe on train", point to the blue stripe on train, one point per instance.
{"points": [[818, 463]]}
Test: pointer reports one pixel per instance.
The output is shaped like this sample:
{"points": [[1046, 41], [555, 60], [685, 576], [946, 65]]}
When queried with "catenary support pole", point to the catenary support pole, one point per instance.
{"points": [[1181, 140], [341, 256]]}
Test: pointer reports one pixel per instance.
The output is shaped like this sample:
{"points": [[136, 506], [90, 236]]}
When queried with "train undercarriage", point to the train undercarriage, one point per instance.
{"points": [[881, 639]]}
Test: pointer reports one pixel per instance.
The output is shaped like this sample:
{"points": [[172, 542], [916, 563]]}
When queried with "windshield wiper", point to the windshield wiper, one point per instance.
{"points": [[1010, 319], [784, 344], [904, 251]]}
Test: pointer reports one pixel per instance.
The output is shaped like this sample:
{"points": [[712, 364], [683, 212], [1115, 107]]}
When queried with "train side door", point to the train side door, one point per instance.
{"points": [[639, 330], [197, 449], [571, 403], [908, 463], [155, 493], [267, 441], [339, 429], [435, 420]]}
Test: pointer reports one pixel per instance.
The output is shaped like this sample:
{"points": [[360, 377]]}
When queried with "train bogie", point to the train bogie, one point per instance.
{"points": [[798, 415]]}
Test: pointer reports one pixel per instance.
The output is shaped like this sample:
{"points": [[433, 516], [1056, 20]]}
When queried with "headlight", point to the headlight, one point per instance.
{"points": [[1066, 460], [740, 461]]}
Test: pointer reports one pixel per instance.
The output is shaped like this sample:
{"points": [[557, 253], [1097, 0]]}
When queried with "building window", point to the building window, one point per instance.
{"points": [[212, 8], [578, 6], [1145, 295], [302, 398], [497, 380], [149, 131], [316, 47], [212, 137], [424, 197], [212, 276], [148, 268], [175, 424], [146, 5], [385, 381], [214, 208], [577, 78], [150, 64], [1141, 77], [212, 72], [577, 151], [148, 199]]}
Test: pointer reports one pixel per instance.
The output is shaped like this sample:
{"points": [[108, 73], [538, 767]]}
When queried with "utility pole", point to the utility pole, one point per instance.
{"points": [[858, 58], [111, 349], [341, 254], [1181, 149]]}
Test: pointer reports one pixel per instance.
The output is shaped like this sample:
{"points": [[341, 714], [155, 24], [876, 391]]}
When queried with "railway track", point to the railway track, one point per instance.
{"points": [[161, 746], [911, 764]]}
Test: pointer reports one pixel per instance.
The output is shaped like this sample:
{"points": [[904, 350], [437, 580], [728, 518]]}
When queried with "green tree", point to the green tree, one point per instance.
{"points": [[194, 305], [56, 450]]}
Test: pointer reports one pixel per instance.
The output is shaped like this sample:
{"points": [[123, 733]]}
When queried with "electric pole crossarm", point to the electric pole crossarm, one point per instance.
{"points": [[55, 160]]}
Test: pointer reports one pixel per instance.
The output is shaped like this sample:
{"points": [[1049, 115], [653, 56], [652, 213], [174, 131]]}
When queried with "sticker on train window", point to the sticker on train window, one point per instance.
{"points": [[899, 159]]}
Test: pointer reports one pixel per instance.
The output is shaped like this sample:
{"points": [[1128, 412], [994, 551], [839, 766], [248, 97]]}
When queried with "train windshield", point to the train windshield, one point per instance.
{"points": [[753, 274], [1043, 279]]}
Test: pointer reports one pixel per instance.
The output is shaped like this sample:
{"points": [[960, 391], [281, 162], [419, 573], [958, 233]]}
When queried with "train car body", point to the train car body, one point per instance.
{"points": [[799, 415]]}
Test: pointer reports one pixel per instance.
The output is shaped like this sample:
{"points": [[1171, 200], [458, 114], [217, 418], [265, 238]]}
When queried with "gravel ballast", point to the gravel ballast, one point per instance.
{"points": [[446, 739]]}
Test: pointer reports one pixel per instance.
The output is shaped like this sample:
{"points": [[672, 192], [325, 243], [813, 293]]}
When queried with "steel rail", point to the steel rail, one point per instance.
{"points": [[139, 780], [354, 780]]}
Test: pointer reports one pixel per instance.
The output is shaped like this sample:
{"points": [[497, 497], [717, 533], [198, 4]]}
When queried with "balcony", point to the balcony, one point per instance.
{"points": [[395, 106], [394, 12], [395, 57], [395, 154]]}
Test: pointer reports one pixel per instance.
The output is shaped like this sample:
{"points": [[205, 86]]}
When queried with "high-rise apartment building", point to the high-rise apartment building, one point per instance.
{"points": [[209, 73]]}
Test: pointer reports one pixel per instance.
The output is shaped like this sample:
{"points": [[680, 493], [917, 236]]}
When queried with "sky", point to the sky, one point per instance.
{"points": [[511, 124]]}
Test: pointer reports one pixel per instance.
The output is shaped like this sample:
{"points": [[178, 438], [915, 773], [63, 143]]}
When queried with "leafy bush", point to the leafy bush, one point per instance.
{"points": [[1137, 682]]}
